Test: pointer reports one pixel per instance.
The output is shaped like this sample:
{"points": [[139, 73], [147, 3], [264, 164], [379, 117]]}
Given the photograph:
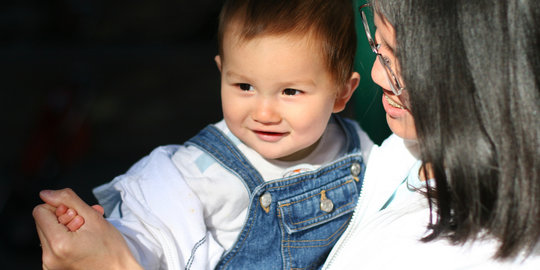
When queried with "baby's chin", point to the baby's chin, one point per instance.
{"points": [[284, 156], [280, 156]]}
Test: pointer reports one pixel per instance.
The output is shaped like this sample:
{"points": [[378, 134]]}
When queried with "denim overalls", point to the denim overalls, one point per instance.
{"points": [[292, 222]]}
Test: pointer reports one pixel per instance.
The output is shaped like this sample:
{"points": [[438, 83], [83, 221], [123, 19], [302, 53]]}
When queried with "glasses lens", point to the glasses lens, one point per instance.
{"points": [[366, 11], [388, 73], [390, 76]]}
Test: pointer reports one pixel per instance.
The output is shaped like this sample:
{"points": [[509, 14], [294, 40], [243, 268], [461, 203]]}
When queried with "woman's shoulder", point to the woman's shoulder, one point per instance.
{"points": [[391, 239]]}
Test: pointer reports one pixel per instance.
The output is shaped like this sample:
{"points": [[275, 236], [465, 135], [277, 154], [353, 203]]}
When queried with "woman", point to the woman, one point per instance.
{"points": [[463, 78]]}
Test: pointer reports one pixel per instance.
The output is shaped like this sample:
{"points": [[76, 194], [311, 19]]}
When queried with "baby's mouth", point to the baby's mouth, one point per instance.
{"points": [[268, 133], [269, 136], [393, 103]]}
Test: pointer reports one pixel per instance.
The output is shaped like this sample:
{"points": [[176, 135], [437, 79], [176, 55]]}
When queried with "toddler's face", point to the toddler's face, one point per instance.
{"points": [[277, 94]]}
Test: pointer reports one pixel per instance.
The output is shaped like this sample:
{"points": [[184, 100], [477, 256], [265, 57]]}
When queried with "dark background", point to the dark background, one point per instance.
{"points": [[88, 87]]}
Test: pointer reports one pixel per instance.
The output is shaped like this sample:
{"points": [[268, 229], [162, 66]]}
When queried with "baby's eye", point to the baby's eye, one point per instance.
{"points": [[245, 86], [291, 92]]}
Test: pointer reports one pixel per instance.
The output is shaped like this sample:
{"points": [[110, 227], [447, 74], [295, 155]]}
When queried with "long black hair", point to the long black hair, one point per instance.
{"points": [[472, 72]]}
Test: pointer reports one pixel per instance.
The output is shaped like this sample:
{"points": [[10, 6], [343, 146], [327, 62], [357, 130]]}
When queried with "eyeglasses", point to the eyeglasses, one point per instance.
{"points": [[395, 85]]}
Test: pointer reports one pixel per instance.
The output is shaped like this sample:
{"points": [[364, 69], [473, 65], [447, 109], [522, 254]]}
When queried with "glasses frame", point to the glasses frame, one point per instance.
{"points": [[393, 80]]}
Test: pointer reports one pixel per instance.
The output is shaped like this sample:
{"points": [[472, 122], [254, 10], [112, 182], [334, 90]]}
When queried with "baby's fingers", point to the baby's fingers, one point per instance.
{"points": [[67, 216], [70, 219], [60, 210], [99, 208], [76, 223]]}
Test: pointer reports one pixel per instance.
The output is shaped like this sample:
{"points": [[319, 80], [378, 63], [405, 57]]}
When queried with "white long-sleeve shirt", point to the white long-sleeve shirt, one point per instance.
{"points": [[178, 208]]}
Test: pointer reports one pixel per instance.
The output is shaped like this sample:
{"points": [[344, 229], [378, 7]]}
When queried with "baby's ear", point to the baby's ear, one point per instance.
{"points": [[344, 94], [218, 62]]}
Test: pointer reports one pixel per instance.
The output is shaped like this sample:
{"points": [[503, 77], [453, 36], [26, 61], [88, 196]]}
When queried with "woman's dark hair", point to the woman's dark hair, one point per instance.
{"points": [[472, 72]]}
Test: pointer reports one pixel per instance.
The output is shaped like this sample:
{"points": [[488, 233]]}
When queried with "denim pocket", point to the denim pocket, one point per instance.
{"points": [[311, 227], [319, 206]]}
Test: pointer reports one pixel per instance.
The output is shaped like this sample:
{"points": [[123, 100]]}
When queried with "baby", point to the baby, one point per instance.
{"points": [[276, 181]]}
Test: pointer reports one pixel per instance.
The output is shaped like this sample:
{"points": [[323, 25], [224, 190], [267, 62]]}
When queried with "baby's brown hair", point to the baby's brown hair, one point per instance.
{"points": [[329, 22]]}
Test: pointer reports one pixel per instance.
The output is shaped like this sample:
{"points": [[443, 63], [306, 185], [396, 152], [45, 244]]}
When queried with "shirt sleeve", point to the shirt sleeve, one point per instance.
{"points": [[159, 215]]}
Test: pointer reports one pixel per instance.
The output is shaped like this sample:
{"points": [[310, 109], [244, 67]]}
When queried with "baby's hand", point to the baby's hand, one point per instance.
{"points": [[70, 218]]}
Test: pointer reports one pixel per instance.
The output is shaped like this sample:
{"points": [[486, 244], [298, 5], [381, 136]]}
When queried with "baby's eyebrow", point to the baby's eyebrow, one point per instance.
{"points": [[233, 74], [305, 82], [236, 76], [284, 83]]}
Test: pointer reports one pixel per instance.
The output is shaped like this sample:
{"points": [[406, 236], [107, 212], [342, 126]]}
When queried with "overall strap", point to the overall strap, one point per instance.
{"points": [[212, 141], [351, 134]]}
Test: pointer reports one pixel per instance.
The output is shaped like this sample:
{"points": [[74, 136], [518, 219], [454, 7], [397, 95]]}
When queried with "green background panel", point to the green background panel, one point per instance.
{"points": [[368, 109]]}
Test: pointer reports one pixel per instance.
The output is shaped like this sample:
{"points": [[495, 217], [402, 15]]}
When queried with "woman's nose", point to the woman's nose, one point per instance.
{"points": [[378, 74]]}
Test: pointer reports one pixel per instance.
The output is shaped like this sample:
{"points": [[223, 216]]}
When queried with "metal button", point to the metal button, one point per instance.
{"points": [[356, 169], [266, 200], [327, 205]]}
